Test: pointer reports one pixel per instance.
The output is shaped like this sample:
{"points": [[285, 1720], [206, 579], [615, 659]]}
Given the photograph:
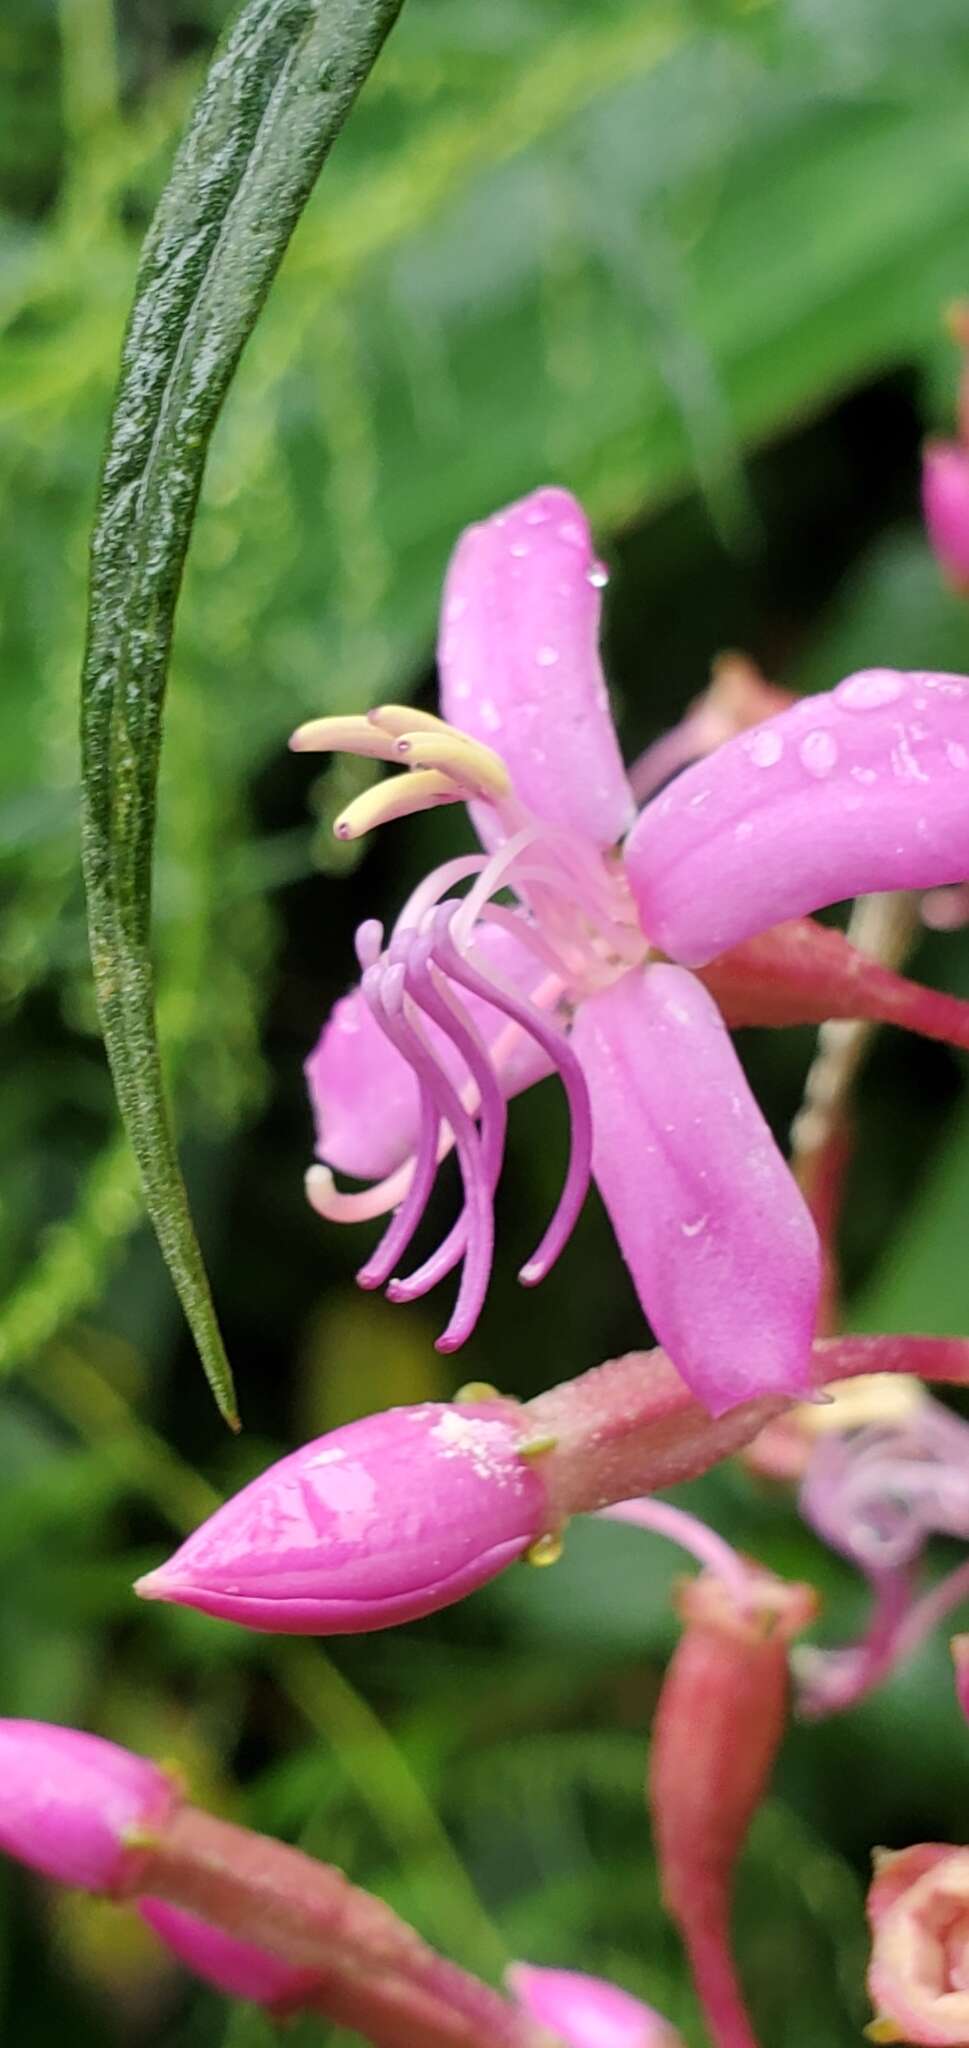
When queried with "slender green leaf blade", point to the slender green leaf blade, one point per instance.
{"points": [[276, 96]]}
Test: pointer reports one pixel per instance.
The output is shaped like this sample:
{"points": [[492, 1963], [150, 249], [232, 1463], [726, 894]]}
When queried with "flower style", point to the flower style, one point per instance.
{"points": [[73, 1806], [918, 1979], [470, 999], [876, 1493], [587, 2012]]}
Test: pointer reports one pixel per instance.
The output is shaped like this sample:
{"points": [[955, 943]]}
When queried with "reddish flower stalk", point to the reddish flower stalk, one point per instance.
{"points": [[718, 1727], [803, 972], [374, 1972]]}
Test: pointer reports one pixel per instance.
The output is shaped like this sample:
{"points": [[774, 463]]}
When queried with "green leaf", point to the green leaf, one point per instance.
{"points": [[276, 96]]}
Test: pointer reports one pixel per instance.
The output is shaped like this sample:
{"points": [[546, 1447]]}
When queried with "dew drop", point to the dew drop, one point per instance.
{"points": [[956, 754], [520, 548], [546, 1549], [490, 715], [693, 1229], [818, 752], [462, 687], [546, 657], [570, 531], [865, 775], [456, 608], [536, 516], [870, 688], [765, 748], [598, 575]]}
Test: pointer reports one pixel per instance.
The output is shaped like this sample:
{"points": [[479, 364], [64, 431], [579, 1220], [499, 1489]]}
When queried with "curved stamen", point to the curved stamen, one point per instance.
{"points": [[384, 988], [396, 1238], [553, 1042]]}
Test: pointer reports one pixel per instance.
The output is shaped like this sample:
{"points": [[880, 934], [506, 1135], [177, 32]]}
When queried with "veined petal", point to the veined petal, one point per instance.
{"points": [[519, 662], [862, 789], [365, 1097], [722, 1251]]}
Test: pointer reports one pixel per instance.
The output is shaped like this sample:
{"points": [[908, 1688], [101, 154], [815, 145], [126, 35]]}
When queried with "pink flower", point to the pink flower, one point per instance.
{"points": [[383, 1520], [918, 1907], [586, 2012], [73, 1806], [234, 1967], [877, 1494], [945, 506], [470, 999]]}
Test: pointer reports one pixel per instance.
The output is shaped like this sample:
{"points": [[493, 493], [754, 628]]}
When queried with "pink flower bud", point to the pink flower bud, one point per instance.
{"points": [[918, 1907], [72, 1806], [586, 2012], [945, 504], [381, 1521], [237, 1968]]}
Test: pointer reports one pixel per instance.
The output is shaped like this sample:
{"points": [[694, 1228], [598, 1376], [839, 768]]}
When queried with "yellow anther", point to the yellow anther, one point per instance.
{"points": [[343, 736], [537, 1446], [546, 1549], [471, 763], [398, 797], [400, 718]]}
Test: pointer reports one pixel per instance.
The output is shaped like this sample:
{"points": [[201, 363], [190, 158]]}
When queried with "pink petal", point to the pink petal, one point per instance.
{"points": [[236, 1968], [519, 662], [587, 2012], [69, 1801], [364, 1095], [723, 1253], [384, 1520], [945, 504], [864, 788]]}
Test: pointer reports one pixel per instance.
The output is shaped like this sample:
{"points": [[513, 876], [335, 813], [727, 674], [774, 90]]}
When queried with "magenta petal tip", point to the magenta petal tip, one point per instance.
{"points": [[72, 1805], [587, 2012]]}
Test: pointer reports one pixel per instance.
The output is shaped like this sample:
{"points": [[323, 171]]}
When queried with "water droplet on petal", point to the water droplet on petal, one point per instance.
{"points": [[519, 548], [456, 608], [490, 714], [570, 531], [866, 775], [956, 754], [693, 1229], [597, 575], [818, 752], [546, 657], [869, 689], [545, 1550], [765, 748]]}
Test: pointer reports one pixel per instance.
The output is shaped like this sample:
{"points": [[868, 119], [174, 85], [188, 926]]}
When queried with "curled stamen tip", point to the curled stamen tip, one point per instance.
{"points": [[320, 1186], [531, 1273]]}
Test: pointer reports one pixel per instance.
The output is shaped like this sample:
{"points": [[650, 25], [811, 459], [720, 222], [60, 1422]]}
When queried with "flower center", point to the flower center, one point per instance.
{"points": [[463, 982]]}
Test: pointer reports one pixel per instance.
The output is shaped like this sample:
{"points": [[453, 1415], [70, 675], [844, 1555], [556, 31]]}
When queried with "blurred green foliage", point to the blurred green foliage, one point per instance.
{"points": [[689, 259]]}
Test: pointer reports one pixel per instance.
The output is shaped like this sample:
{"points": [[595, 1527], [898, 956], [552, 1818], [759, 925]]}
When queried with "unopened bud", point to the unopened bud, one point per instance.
{"points": [[74, 1807]]}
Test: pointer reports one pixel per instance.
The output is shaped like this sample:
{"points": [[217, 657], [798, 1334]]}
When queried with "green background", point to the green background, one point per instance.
{"points": [[688, 260]]}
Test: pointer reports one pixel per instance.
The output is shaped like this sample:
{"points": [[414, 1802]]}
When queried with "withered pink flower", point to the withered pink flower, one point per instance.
{"points": [[74, 1806], [236, 1968], [381, 1521], [470, 998], [918, 1979], [587, 2012], [877, 1494]]}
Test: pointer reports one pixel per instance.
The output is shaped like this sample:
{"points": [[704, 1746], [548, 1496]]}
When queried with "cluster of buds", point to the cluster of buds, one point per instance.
{"points": [[267, 1924]]}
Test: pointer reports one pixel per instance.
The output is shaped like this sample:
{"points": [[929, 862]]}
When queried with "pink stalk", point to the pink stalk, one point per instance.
{"points": [[718, 1727], [631, 1426], [375, 1973], [802, 972]]}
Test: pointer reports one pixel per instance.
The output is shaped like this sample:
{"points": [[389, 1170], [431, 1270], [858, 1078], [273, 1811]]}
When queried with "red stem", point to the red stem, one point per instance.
{"points": [[707, 1940]]}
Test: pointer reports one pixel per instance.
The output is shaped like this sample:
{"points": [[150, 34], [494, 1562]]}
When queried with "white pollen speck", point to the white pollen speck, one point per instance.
{"points": [[700, 798], [956, 754], [694, 1229], [904, 763], [818, 752], [866, 775], [873, 687], [765, 748], [482, 1443], [546, 657], [326, 1458]]}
